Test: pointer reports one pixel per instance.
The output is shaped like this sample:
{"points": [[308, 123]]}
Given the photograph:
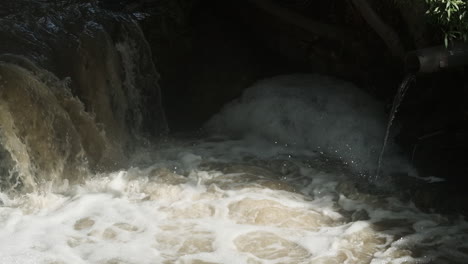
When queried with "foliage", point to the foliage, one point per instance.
{"points": [[452, 16]]}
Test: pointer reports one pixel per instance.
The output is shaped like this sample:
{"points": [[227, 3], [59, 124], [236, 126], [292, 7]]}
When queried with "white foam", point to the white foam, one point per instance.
{"points": [[312, 112], [234, 206]]}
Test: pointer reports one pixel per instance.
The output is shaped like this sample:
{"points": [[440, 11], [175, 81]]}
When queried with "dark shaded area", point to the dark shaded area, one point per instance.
{"points": [[207, 60], [208, 51], [434, 133]]}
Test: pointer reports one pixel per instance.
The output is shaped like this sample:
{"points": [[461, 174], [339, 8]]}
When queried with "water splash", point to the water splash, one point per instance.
{"points": [[231, 201], [396, 104], [314, 113], [78, 92]]}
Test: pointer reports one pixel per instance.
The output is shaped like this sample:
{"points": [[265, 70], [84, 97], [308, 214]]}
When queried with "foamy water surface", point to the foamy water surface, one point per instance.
{"points": [[219, 201]]}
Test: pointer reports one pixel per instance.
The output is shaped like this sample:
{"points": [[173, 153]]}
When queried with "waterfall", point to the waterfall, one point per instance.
{"points": [[78, 90]]}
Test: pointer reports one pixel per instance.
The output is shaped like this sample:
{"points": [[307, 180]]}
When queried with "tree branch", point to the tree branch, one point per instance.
{"points": [[316, 28], [386, 33]]}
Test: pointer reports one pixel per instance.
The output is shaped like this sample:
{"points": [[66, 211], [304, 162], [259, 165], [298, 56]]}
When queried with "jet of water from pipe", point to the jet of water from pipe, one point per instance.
{"points": [[396, 104]]}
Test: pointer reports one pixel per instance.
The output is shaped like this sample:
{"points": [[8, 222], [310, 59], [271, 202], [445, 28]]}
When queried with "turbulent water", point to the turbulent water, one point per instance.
{"points": [[224, 201], [78, 90], [283, 182], [314, 112]]}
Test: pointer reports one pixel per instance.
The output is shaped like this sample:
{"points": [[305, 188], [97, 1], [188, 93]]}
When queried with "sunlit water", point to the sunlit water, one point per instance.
{"points": [[218, 201]]}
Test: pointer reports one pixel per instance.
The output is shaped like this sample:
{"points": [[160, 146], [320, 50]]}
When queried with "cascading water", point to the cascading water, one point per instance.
{"points": [[77, 92], [396, 103], [78, 88]]}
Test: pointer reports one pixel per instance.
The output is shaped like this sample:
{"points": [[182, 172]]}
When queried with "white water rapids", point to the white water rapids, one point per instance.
{"points": [[223, 202], [251, 200]]}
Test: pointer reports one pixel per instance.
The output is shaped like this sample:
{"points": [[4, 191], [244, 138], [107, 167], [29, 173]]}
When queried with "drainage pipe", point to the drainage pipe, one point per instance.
{"points": [[437, 58]]}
